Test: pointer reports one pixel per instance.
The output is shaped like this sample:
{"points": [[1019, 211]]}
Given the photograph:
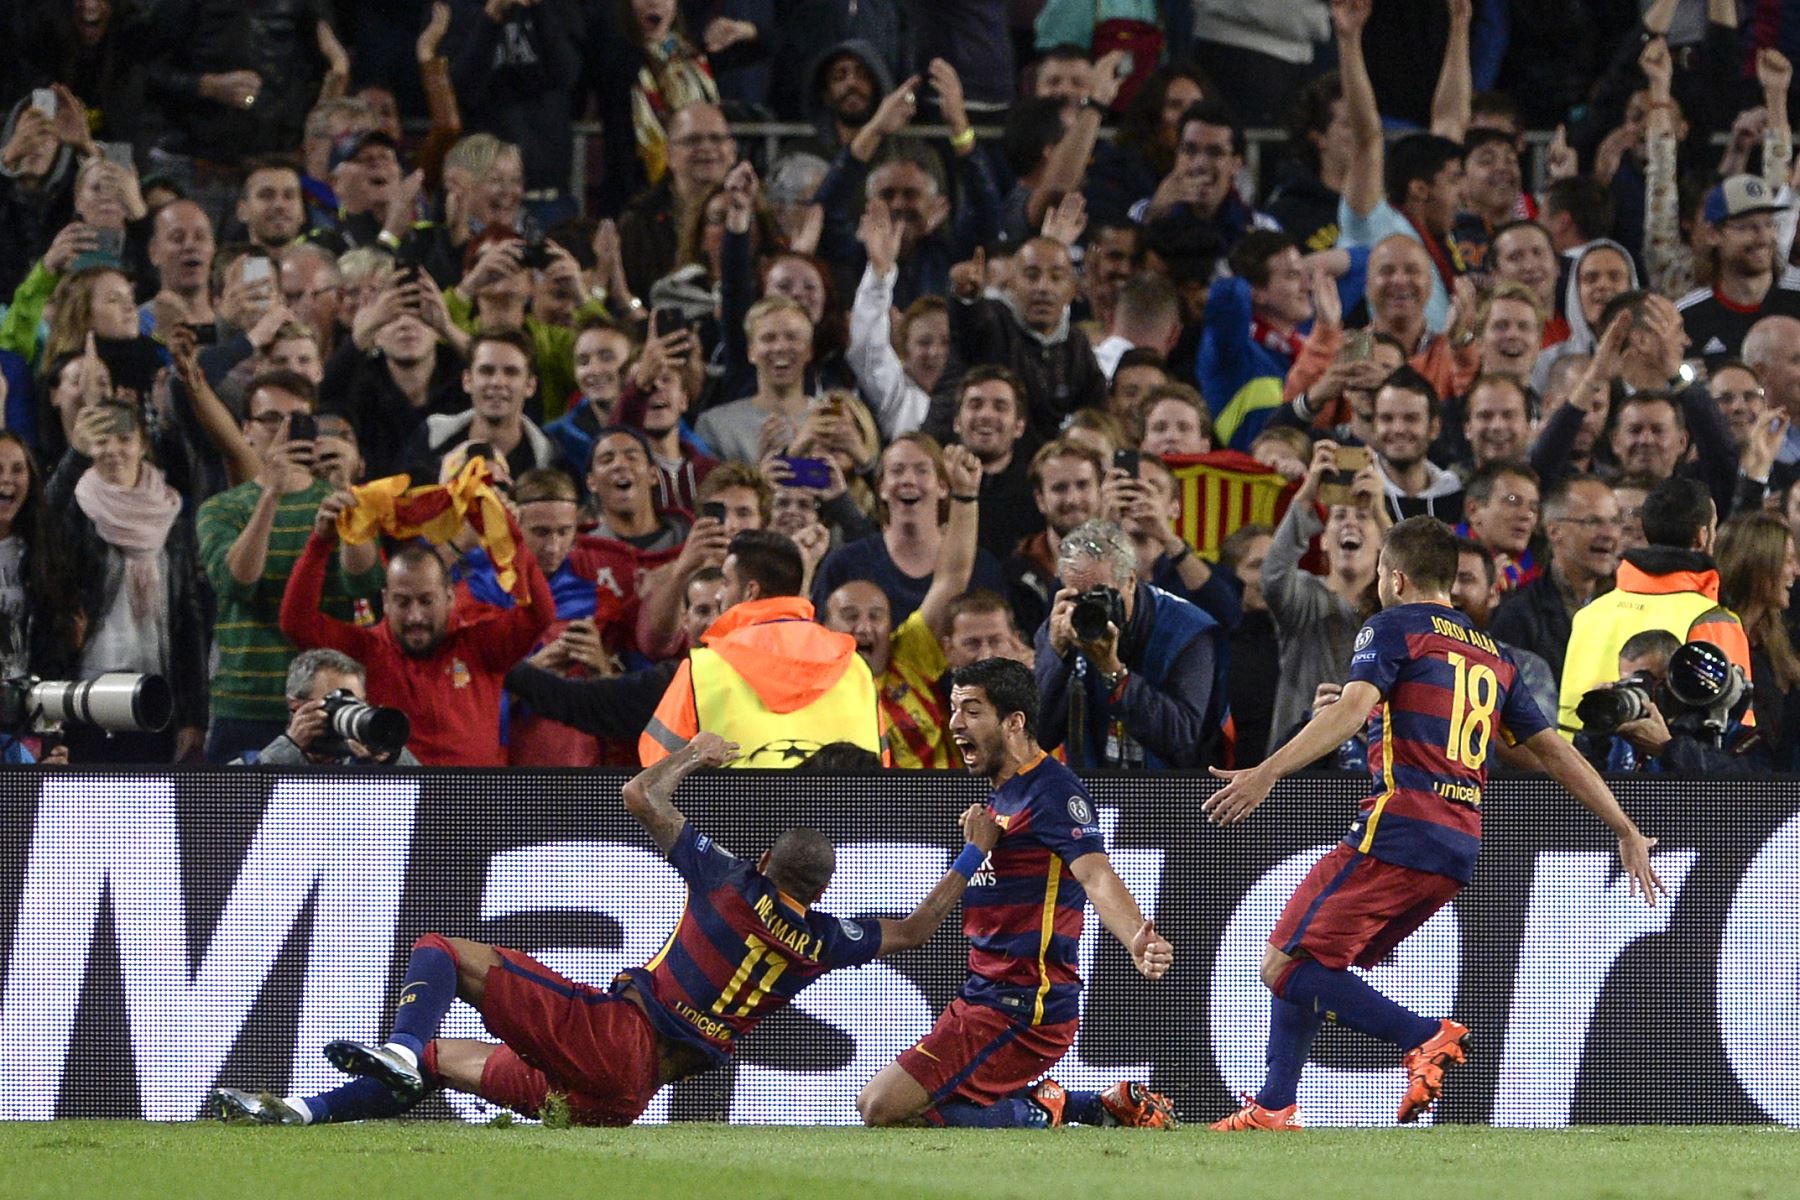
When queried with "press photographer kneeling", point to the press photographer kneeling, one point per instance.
{"points": [[1676, 708], [330, 721]]}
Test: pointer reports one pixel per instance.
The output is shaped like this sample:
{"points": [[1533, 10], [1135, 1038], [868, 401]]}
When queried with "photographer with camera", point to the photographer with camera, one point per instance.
{"points": [[1130, 675], [330, 721], [1675, 709], [1670, 584], [250, 537]]}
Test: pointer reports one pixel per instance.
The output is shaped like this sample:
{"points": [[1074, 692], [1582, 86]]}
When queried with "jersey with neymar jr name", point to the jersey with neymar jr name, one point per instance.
{"points": [[1447, 690], [1023, 910], [741, 950]]}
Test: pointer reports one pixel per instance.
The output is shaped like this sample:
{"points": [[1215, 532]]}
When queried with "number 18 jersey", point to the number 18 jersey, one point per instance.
{"points": [[1447, 690]]}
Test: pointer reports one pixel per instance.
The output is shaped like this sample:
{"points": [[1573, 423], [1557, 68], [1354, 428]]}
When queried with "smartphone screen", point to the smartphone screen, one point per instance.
{"points": [[257, 269], [44, 100]]}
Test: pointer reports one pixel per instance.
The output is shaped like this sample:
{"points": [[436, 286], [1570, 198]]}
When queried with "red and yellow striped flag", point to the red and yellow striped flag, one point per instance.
{"points": [[1223, 491]]}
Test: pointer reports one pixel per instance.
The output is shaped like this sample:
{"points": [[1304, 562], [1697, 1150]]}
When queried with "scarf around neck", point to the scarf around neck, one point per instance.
{"points": [[135, 521]]}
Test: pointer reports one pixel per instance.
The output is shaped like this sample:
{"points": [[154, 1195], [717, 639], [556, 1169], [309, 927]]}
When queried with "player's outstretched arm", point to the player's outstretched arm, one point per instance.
{"points": [[647, 794], [982, 833], [1151, 952], [1566, 765], [1328, 730]]}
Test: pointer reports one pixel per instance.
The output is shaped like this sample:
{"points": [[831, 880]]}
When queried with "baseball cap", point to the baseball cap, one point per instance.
{"points": [[351, 144], [1739, 196]]}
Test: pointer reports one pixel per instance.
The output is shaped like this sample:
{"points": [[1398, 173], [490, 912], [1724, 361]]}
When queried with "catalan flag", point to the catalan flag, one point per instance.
{"points": [[1223, 491]]}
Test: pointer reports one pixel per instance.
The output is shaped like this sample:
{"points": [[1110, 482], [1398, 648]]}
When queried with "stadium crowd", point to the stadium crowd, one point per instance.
{"points": [[766, 440]]}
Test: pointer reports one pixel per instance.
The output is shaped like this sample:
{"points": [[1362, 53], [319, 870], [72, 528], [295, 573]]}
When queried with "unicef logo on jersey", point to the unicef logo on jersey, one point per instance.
{"points": [[1081, 811], [1364, 636], [851, 929]]}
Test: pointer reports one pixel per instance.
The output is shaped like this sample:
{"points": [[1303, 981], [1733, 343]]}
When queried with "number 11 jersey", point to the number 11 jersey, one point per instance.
{"points": [[1447, 690]]}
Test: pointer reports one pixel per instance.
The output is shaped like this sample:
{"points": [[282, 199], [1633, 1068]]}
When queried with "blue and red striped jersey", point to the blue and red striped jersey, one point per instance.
{"points": [[741, 950], [1022, 911], [1447, 690]]}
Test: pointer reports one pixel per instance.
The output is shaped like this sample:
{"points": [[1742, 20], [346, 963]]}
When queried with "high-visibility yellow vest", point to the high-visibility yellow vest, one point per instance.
{"points": [[728, 706], [1603, 627]]}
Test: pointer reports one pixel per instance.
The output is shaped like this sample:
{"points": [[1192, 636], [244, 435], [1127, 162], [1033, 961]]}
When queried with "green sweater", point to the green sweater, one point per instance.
{"points": [[253, 656], [555, 346]]}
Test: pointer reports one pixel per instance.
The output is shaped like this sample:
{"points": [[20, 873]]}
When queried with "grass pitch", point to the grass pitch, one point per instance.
{"points": [[121, 1159]]}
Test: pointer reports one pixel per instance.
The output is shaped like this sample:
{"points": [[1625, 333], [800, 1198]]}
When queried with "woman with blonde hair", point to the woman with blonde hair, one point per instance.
{"points": [[1757, 568]]}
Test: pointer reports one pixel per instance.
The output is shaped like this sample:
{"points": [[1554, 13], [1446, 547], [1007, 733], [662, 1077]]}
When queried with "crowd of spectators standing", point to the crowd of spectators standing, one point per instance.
{"points": [[768, 436]]}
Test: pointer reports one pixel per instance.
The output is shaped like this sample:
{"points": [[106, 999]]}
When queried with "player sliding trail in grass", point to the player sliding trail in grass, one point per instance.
{"points": [[1435, 692], [1019, 1010], [747, 943]]}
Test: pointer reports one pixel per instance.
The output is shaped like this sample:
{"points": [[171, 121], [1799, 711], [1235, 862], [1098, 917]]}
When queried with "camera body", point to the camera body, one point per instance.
{"points": [[382, 731], [1094, 610], [1604, 709], [535, 256]]}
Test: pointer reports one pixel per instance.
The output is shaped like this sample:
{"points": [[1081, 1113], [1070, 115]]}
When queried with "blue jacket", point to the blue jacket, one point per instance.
{"points": [[1240, 377], [1174, 699]]}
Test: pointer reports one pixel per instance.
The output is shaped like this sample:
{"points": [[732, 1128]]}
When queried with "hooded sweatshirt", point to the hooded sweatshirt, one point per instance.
{"points": [[1582, 337], [813, 102], [787, 660]]}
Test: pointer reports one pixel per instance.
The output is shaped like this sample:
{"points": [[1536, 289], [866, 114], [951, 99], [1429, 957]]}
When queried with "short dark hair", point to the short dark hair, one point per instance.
{"points": [[980, 600], [1138, 356], [991, 373], [1646, 642], [1032, 127], [1523, 223], [841, 758], [1145, 297], [1633, 301], [1475, 139], [508, 337], [1425, 549], [1310, 112], [1468, 545], [1010, 687], [291, 382], [801, 862], [1487, 477], [1249, 259], [272, 162], [1236, 545], [1675, 512], [1216, 113], [770, 559], [1495, 104], [542, 484], [1587, 202], [1417, 156], [1639, 399], [1406, 379]]}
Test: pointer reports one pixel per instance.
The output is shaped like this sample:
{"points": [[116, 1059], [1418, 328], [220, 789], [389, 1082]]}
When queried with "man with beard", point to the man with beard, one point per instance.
{"points": [[907, 659], [915, 499], [1406, 423], [398, 367], [1252, 338], [990, 420], [1316, 617], [499, 380], [1498, 423], [983, 1061], [1581, 523], [701, 153], [934, 235], [271, 206], [1114, 253], [181, 250], [1749, 280], [1500, 513], [1065, 487], [847, 80], [1028, 330], [439, 664], [1490, 190]]}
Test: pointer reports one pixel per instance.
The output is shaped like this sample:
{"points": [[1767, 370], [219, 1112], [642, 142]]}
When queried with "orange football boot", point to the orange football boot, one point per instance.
{"points": [[1255, 1116], [1425, 1067], [1135, 1105]]}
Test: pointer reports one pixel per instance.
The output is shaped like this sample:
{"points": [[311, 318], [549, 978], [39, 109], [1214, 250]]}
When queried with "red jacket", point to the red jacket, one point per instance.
{"points": [[452, 695]]}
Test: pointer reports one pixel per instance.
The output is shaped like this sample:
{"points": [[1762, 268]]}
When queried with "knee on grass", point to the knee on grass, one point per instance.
{"points": [[880, 1108]]}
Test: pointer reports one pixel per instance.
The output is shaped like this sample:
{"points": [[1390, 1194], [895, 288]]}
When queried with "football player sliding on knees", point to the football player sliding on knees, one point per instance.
{"points": [[1435, 692], [748, 941], [983, 1063]]}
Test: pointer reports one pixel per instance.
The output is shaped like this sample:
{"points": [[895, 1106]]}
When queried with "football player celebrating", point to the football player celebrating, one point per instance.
{"points": [[748, 941], [1435, 692], [1018, 1012]]}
